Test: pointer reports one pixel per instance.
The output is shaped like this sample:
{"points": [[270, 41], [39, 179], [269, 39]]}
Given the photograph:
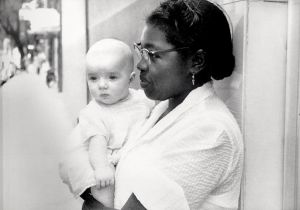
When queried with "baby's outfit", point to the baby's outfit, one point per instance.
{"points": [[115, 123]]}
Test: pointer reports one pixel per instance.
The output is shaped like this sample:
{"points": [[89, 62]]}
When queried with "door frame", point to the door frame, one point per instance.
{"points": [[291, 186]]}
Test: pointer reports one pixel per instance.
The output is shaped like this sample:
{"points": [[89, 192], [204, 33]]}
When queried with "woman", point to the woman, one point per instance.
{"points": [[189, 153]]}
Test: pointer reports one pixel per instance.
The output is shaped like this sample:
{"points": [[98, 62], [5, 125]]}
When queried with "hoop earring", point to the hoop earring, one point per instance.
{"points": [[193, 79]]}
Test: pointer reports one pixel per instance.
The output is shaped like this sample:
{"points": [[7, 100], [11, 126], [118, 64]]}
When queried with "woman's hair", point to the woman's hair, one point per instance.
{"points": [[197, 24]]}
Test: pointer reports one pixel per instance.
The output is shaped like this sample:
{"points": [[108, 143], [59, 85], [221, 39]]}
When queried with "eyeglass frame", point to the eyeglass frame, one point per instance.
{"points": [[152, 53]]}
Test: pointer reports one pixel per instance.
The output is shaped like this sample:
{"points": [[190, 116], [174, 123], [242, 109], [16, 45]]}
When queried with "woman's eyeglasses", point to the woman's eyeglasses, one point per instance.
{"points": [[149, 55]]}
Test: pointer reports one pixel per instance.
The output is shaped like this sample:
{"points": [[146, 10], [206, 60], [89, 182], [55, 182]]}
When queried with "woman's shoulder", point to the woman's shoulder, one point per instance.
{"points": [[213, 107], [215, 115]]}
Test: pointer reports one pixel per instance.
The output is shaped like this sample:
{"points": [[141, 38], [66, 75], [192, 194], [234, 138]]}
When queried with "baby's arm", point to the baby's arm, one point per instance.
{"points": [[104, 171]]}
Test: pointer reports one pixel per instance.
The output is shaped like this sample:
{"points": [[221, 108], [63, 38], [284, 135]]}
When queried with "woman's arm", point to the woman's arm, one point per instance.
{"points": [[133, 204]]}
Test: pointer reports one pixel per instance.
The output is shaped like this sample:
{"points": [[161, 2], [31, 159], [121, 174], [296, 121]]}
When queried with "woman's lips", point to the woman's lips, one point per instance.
{"points": [[144, 83]]}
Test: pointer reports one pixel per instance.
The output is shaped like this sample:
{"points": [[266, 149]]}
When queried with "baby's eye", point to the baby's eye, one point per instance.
{"points": [[93, 79], [113, 77]]}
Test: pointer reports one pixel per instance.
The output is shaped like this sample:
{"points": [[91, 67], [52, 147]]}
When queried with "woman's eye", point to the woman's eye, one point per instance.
{"points": [[154, 55]]}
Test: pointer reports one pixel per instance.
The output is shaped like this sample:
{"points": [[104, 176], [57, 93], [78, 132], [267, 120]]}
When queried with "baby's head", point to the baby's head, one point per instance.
{"points": [[109, 67]]}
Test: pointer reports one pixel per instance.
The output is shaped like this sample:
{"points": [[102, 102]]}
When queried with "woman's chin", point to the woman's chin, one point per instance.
{"points": [[150, 94]]}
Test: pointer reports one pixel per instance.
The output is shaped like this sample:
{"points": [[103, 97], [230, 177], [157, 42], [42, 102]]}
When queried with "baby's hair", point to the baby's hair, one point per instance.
{"points": [[114, 45]]}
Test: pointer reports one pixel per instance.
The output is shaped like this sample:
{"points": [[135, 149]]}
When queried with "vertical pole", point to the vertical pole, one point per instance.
{"points": [[73, 37], [290, 176]]}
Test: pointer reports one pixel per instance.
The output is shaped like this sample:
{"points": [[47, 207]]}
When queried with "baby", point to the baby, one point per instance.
{"points": [[106, 122]]}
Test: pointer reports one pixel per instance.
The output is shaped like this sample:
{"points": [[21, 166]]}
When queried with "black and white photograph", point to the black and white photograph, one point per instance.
{"points": [[149, 104]]}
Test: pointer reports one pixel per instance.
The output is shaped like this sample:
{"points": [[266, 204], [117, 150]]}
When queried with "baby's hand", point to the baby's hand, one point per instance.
{"points": [[105, 176]]}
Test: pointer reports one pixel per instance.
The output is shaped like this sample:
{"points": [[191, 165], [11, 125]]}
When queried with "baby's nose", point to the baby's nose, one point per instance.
{"points": [[102, 84]]}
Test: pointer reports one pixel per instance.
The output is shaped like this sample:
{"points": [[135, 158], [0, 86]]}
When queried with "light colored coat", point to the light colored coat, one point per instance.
{"points": [[190, 159]]}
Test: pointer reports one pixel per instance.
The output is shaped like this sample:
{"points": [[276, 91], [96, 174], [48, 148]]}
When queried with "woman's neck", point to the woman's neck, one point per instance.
{"points": [[174, 102]]}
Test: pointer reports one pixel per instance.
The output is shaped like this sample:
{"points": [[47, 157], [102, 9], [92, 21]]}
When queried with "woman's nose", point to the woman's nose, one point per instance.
{"points": [[142, 65]]}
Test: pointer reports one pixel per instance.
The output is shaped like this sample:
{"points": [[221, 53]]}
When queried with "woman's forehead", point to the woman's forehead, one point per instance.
{"points": [[153, 37]]}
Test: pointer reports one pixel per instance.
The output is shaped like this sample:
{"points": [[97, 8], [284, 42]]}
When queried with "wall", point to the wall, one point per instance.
{"points": [[291, 146], [266, 99], [73, 55], [264, 104]]}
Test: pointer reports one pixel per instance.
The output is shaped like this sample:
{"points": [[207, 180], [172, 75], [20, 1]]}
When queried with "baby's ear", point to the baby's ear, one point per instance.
{"points": [[132, 76]]}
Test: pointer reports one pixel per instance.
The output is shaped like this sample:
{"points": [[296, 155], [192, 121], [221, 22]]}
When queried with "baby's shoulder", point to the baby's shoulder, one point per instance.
{"points": [[91, 109]]}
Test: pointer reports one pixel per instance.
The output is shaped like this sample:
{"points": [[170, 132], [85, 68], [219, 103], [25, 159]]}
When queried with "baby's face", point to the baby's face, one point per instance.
{"points": [[108, 80]]}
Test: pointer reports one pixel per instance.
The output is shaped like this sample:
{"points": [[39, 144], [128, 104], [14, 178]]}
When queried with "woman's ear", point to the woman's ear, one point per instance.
{"points": [[198, 61], [132, 76]]}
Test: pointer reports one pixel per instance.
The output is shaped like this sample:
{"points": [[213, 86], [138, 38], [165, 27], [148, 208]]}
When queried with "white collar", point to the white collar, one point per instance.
{"points": [[150, 129]]}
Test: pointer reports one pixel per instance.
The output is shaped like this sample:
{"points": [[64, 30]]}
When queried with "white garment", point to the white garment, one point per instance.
{"points": [[113, 122], [190, 159], [34, 123]]}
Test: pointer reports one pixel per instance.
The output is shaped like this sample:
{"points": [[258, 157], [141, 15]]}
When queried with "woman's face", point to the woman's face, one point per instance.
{"points": [[164, 76]]}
